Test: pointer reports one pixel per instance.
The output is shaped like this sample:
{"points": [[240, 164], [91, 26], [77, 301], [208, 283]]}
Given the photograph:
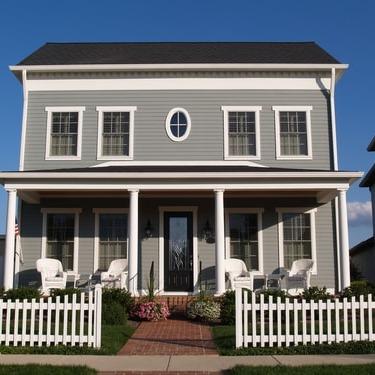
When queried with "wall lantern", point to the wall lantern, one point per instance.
{"points": [[207, 232], [148, 229]]}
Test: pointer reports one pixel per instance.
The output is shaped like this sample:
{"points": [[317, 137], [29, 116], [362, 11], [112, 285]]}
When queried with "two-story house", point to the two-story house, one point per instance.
{"points": [[179, 154]]}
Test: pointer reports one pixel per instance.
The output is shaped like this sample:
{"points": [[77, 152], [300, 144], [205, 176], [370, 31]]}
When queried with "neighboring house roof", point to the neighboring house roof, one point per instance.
{"points": [[369, 178], [368, 244], [371, 146], [180, 53]]}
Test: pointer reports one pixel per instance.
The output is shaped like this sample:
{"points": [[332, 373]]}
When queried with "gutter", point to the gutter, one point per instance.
{"points": [[24, 118]]}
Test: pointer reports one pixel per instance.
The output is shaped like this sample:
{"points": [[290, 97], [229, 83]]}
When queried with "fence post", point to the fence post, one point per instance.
{"points": [[98, 315], [239, 331]]}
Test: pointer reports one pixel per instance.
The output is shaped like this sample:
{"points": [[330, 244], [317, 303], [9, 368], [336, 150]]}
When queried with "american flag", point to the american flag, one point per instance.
{"points": [[18, 242]]}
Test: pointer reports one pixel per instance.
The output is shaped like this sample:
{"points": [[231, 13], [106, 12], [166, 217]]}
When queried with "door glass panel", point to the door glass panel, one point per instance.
{"points": [[178, 244]]}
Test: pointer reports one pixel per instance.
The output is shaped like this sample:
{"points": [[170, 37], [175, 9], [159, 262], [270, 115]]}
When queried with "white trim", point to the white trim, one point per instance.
{"points": [[24, 119], [246, 210], [97, 212], [162, 210], [168, 124], [101, 110], [178, 67], [152, 84], [256, 110], [76, 212], [49, 111], [304, 210], [307, 110]]}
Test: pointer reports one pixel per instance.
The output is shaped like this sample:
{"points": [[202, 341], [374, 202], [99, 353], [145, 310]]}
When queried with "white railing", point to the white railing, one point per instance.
{"points": [[49, 321], [273, 322]]}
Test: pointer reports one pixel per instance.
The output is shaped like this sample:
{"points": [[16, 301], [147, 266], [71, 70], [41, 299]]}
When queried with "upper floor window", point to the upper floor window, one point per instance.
{"points": [[178, 124], [115, 132], [241, 132], [64, 133], [293, 132]]}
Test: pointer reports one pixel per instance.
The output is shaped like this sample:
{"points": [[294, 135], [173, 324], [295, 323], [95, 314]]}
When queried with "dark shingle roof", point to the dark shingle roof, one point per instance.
{"points": [[362, 246], [180, 53], [369, 179]]}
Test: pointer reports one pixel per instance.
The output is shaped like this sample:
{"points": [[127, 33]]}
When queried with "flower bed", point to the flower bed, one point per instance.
{"points": [[151, 311]]}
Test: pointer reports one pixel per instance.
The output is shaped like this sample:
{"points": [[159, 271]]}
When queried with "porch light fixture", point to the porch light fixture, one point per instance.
{"points": [[207, 231], [148, 229]]}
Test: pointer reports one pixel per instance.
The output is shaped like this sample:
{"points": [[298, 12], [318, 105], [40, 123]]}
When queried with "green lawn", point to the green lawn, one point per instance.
{"points": [[113, 338], [44, 370], [309, 370], [224, 337]]}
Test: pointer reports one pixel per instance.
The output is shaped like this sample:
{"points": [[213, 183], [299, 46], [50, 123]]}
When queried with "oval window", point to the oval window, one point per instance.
{"points": [[178, 124]]}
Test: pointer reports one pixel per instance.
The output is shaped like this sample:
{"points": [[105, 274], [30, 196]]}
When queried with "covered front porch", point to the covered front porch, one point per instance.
{"points": [[185, 220]]}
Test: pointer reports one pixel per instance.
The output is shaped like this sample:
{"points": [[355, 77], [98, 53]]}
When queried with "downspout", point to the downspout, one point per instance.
{"points": [[335, 167]]}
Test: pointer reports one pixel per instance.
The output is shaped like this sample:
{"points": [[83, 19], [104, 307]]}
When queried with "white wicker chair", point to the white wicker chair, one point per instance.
{"points": [[51, 273], [117, 274], [237, 273]]}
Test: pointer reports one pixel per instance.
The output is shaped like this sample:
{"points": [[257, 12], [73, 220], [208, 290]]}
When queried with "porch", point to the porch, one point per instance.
{"points": [[203, 200]]}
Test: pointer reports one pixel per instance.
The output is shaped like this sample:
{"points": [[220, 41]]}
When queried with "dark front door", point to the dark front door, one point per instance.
{"points": [[178, 251]]}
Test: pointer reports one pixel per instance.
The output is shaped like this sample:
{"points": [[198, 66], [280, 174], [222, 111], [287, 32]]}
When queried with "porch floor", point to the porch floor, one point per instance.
{"points": [[171, 337]]}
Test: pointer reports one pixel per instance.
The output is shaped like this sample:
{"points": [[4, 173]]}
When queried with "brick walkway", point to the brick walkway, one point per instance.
{"points": [[170, 337]]}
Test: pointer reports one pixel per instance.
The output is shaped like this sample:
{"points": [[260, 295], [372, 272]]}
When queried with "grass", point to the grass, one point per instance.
{"points": [[44, 370], [224, 337], [113, 339], [309, 370]]}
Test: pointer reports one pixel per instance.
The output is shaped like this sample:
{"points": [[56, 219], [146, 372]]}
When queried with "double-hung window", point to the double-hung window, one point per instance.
{"points": [[296, 236], [115, 132], [64, 133], [293, 132], [241, 132], [244, 237], [111, 237], [60, 236]]}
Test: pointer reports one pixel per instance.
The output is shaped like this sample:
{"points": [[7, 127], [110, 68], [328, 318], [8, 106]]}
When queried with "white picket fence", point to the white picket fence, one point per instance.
{"points": [[271, 322], [46, 322]]}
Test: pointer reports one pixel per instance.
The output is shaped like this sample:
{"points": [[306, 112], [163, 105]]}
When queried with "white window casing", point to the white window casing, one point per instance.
{"points": [[302, 210], [307, 110], [259, 213], [50, 111], [97, 212], [168, 124], [76, 212], [256, 110], [101, 110]]}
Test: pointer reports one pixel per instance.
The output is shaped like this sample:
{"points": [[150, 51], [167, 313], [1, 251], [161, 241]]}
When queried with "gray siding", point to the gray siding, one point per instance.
{"points": [[149, 247], [205, 141]]}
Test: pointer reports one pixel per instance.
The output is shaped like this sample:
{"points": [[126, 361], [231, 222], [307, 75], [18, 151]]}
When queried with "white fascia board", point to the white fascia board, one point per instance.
{"points": [[179, 162], [178, 67]]}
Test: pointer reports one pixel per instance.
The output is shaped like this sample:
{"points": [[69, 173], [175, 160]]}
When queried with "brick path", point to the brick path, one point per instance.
{"points": [[161, 373], [170, 337]]}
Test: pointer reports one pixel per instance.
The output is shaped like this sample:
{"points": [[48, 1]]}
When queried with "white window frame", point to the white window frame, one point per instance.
{"points": [[76, 212], [281, 108], [259, 212], [168, 123], [226, 110], [101, 110], [51, 110], [300, 210], [98, 212]]}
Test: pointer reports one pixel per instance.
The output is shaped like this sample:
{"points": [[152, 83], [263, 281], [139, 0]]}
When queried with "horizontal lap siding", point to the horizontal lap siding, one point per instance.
{"points": [[205, 141], [31, 231]]}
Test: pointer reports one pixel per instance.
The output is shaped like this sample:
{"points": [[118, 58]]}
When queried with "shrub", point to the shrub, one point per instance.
{"points": [[151, 310], [206, 310], [358, 288], [66, 292], [273, 293], [21, 293], [121, 296], [228, 308], [315, 293], [113, 314]]}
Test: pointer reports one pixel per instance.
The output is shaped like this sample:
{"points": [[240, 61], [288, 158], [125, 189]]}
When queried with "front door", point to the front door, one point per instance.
{"points": [[178, 251]]}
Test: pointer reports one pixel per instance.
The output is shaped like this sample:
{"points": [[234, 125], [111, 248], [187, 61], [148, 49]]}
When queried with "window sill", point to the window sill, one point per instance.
{"points": [[63, 158], [114, 158], [247, 157], [296, 157]]}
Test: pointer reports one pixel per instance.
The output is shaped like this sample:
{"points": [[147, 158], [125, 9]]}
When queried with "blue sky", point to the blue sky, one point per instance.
{"points": [[345, 28]]}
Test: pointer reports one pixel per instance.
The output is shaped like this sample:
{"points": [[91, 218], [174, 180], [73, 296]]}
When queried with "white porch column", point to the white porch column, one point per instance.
{"points": [[10, 240], [344, 240], [219, 241], [133, 243]]}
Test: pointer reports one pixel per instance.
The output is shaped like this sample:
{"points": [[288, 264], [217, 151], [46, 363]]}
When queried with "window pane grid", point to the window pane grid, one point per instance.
{"points": [[297, 238], [64, 134], [293, 133], [115, 134], [241, 133]]}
